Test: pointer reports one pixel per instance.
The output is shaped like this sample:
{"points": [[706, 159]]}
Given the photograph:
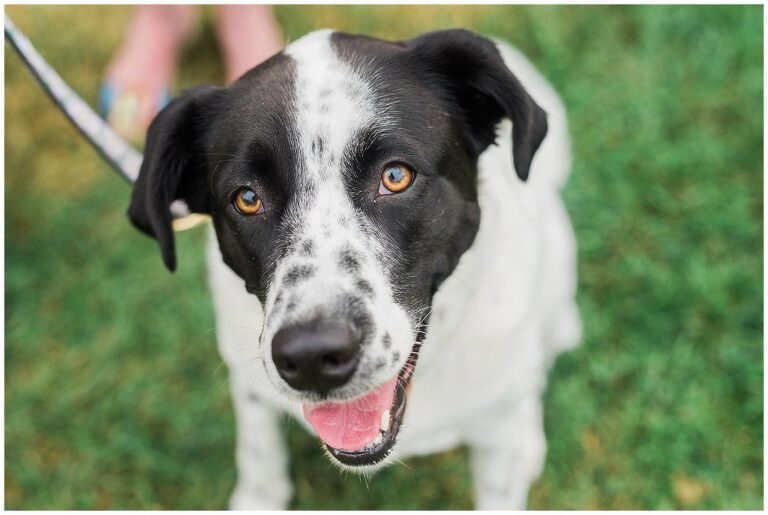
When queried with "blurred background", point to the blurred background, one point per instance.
{"points": [[115, 396]]}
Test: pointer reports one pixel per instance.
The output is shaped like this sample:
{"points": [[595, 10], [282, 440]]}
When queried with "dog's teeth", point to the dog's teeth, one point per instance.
{"points": [[385, 420], [378, 439]]}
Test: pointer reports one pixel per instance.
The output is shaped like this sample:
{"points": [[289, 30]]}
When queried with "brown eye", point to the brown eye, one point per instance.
{"points": [[247, 202], [396, 178]]}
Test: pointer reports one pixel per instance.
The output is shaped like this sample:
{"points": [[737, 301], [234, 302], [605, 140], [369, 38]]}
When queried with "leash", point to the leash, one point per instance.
{"points": [[121, 155]]}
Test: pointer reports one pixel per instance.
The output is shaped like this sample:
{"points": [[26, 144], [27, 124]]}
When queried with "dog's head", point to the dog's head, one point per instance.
{"points": [[341, 179]]}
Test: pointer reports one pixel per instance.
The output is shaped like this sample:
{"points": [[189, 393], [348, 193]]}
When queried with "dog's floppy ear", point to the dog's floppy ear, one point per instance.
{"points": [[469, 71], [173, 168]]}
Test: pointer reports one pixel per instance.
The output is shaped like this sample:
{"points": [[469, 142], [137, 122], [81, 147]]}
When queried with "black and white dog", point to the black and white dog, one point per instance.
{"points": [[372, 208]]}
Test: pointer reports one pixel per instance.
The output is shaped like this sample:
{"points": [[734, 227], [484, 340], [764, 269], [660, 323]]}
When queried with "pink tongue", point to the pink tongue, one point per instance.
{"points": [[351, 426]]}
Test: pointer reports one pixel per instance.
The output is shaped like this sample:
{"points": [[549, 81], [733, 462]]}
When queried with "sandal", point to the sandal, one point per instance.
{"points": [[122, 109]]}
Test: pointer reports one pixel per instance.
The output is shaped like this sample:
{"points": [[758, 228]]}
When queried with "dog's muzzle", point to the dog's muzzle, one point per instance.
{"points": [[363, 431]]}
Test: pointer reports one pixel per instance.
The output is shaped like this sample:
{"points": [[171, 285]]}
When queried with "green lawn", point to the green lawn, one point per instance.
{"points": [[115, 396]]}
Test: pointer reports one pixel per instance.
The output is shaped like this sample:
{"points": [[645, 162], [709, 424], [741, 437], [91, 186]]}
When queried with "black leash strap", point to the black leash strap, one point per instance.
{"points": [[121, 155]]}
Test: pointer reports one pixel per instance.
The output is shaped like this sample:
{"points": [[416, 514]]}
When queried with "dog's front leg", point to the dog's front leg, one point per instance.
{"points": [[507, 455], [262, 463], [262, 469]]}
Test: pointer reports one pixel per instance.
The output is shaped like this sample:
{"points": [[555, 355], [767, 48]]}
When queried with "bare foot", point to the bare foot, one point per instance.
{"points": [[141, 72], [248, 35]]}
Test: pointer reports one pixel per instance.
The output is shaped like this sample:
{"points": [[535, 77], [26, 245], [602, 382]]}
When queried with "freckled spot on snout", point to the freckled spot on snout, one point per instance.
{"points": [[354, 307], [297, 274], [349, 261], [395, 357], [380, 363], [386, 340], [364, 287], [318, 146], [307, 248]]}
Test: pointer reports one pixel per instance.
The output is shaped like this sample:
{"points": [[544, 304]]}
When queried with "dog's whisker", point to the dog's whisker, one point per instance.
{"points": [[400, 461], [217, 369]]}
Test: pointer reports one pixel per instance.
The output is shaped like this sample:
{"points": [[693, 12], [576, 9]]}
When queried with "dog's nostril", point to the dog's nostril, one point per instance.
{"points": [[331, 361], [316, 356]]}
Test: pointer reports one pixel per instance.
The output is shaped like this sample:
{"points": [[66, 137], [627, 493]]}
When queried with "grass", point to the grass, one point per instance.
{"points": [[115, 396]]}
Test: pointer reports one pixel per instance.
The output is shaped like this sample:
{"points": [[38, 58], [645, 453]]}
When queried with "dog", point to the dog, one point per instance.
{"points": [[383, 268]]}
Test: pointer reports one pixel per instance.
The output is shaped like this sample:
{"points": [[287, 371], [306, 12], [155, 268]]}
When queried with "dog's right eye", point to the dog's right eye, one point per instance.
{"points": [[247, 202]]}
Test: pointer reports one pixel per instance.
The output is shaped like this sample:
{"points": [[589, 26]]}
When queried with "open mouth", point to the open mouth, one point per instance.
{"points": [[363, 431]]}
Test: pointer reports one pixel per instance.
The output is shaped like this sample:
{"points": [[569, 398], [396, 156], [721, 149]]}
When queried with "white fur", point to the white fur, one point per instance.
{"points": [[334, 103], [497, 322]]}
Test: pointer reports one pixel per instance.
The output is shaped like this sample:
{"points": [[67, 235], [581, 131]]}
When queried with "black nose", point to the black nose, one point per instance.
{"points": [[316, 356]]}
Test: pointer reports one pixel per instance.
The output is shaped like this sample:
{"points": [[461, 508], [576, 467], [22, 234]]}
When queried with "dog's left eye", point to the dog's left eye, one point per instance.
{"points": [[396, 178], [247, 202]]}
